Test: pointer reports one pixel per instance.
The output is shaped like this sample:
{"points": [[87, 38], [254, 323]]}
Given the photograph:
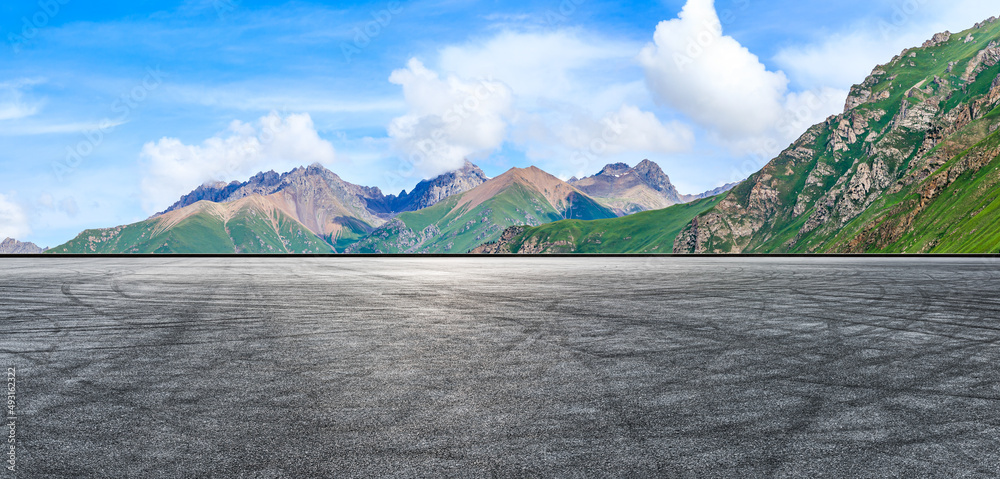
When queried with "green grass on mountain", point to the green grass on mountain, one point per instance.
{"points": [[247, 232], [963, 218], [443, 228], [854, 182], [354, 230], [646, 232]]}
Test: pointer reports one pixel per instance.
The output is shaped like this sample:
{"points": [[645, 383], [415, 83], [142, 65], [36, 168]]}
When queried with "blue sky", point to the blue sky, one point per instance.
{"points": [[108, 114]]}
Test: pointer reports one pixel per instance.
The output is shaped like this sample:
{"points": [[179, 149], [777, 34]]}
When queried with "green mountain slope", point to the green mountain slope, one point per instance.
{"points": [[252, 225], [456, 225], [646, 232], [955, 210], [908, 166]]}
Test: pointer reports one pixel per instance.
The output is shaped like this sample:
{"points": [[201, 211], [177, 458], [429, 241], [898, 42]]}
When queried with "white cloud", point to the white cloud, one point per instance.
{"points": [[449, 119], [565, 65], [173, 168], [627, 130], [580, 144], [29, 128], [693, 67], [13, 220], [574, 96], [13, 105], [844, 58], [710, 77]]}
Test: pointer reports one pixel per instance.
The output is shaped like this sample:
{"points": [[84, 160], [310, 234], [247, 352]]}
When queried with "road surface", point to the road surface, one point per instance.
{"points": [[471, 367]]}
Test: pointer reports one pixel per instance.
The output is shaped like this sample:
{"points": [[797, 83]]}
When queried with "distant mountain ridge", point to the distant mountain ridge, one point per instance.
{"points": [[628, 190], [336, 210], [13, 246], [378, 205], [710, 193], [430, 192], [521, 196], [645, 187], [313, 210]]}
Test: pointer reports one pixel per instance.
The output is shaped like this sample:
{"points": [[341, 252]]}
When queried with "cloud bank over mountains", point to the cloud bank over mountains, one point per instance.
{"points": [[449, 119], [173, 168]]}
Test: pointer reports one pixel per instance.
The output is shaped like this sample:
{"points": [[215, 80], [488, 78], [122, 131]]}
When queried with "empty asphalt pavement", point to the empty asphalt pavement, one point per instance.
{"points": [[467, 367]]}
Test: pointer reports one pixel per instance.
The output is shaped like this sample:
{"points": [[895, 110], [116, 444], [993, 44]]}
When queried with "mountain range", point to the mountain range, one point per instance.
{"points": [[312, 210], [911, 165], [462, 222]]}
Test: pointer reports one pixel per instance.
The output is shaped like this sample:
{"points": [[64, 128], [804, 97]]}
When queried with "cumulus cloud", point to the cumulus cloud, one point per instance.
{"points": [[13, 220], [710, 77], [575, 65], [581, 143], [173, 168], [574, 95], [449, 119]]}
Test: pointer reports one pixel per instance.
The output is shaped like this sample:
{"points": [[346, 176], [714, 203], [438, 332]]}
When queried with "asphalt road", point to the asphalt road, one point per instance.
{"points": [[552, 367]]}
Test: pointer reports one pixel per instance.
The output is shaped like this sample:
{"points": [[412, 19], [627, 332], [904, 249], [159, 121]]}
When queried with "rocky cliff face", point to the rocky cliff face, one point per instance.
{"points": [[13, 246], [906, 121], [502, 244]]}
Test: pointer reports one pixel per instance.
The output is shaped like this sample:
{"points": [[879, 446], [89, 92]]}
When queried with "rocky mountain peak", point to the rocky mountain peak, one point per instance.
{"points": [[627, 189], [13, 246], [615, 169], [911, 128], [653, 175], [306, 178], [430, 192]]}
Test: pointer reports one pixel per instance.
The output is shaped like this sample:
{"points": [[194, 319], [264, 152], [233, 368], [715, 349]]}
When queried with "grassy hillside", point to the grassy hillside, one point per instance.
{"points": [[459, 224], [888, 174], [646, 232], [954, 210], [249, 229]]}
